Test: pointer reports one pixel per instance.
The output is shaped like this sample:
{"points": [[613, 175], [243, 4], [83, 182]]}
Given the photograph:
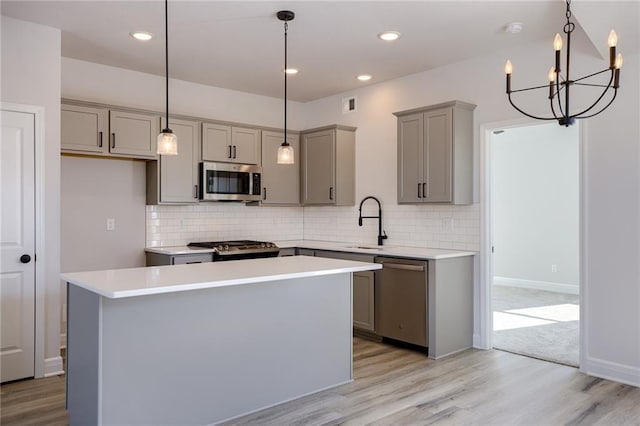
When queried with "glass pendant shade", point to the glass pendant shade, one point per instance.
{"points": [[285, 154], [167, 143]]}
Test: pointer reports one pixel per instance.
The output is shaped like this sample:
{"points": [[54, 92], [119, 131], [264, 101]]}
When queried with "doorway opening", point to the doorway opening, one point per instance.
{"points": [[535, 241]]}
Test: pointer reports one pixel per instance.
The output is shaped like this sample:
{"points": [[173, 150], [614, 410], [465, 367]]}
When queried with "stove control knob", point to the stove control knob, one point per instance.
{"points": [[220, 248], [226, 247], [272, 245], [263, 245]]}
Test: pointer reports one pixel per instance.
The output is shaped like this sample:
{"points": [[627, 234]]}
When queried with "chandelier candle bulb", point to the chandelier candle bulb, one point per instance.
{"points": [[508, 69], [557, 46], [616, 72], [552, 77], [612, 41]]}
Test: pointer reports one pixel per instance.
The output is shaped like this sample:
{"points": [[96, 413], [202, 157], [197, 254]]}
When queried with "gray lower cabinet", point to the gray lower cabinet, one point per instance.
{"points": [[231, 144], [363, 289], [328, 166], [281, 182], [158, 259], [133, 134], [435, 154], [173, 179]]}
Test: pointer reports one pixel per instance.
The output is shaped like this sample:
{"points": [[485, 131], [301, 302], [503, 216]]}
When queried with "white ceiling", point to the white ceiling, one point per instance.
{"points": [[239, 44]]}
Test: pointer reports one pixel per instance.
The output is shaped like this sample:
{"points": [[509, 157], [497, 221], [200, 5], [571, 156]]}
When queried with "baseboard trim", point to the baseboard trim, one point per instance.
{"points": [[537, 285], [626, 374], [53, 366]]}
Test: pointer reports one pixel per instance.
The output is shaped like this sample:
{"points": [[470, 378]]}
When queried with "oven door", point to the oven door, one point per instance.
{"points": [[230, 182]]}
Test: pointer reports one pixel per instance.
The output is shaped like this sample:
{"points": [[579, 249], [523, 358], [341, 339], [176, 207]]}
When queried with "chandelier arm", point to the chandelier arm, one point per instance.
{"points": [[597, 100], [592, 75], [592, 85], [527, 114], [530, 88], [553, 111], [615, 92], [560, 87]]}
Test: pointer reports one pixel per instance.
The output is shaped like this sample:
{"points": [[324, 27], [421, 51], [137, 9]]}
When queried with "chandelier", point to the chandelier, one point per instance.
{"points": [[560, 85]]}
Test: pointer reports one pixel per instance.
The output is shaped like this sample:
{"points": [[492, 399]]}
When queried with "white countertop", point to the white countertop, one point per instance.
{"points": [[118, 283], [395, 251]]}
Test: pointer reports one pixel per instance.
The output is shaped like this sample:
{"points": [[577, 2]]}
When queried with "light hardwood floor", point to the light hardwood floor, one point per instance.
{"points": [[395, 386]]}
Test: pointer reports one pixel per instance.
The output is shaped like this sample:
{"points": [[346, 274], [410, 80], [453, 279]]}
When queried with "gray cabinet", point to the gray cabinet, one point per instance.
{"points": [[281, 182], [84, 129], [221, 142], [173, 179], [88, 129], [158, 259], [328, 166], [133, 134], [363, 289], [435, 154]]}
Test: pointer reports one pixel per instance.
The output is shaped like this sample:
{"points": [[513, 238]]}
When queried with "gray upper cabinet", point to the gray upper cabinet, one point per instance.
{"points": [[84, 129], [435, 154], [133, 134], [328, 166], [281, 182], [173, 179], [230, 144]]}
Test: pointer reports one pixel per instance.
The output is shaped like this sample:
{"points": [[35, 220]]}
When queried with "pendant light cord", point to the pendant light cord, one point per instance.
{"points": [[166, 60], [286, 27]]}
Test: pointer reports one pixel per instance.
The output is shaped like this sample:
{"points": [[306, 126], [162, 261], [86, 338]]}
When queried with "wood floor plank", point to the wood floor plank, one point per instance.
{"points": [[398, 386]]}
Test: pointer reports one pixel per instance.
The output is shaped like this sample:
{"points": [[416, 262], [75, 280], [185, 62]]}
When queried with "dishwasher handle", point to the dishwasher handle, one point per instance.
{"points": [[419, 268]]}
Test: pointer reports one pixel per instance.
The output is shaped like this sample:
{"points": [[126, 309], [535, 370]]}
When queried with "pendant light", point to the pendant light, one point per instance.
{"points": [[167, 140], [285, 151], [558, 83]]}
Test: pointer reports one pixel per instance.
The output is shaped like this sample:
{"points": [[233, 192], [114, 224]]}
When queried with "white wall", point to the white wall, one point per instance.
{"points": [[31, 75], [536, 206]]}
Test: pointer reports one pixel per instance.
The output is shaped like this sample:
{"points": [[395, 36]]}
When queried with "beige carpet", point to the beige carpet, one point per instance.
{"points": [[536, 323]]}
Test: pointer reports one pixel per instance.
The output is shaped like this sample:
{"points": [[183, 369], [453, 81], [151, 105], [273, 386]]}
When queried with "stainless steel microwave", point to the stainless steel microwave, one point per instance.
{"points": [[230, 182]]}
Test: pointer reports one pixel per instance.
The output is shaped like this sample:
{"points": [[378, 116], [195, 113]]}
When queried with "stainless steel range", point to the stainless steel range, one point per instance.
{"points": [[240, 249]]}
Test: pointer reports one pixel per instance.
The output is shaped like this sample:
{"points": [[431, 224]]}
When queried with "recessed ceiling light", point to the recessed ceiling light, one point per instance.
{"points": [[389, 35], [364, 77], [513, 28], [291, 71], [141, 35]]}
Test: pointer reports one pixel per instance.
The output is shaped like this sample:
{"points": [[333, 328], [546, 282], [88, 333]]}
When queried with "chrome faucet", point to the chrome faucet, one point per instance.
{"points": [[382, 235]]}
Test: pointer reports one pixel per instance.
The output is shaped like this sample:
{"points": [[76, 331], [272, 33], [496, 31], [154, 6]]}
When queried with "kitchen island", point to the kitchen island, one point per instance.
{"points": [[202, 343]]}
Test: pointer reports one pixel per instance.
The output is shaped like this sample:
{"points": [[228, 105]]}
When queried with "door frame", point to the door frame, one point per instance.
{"points": [[40, 248], [484, 339]]}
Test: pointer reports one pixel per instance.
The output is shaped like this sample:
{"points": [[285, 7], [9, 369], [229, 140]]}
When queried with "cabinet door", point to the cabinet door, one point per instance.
{"points": [[216, 142], [410, 158], [179, 173], [83, 129], [437, 156], [281, 182], [363, 300], [134, 134], [246, 145], [318, 167]]}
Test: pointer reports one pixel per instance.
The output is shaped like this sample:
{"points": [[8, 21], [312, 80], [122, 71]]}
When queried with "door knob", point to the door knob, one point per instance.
{"points": [[25, 258]]}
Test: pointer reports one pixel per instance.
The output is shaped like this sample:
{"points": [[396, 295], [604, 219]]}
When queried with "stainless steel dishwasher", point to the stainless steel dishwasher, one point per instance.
{"points": [[401, 300]]}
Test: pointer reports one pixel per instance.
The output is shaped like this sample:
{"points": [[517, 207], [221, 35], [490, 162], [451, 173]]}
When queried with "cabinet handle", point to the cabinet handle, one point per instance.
{"points": [[229, 156], [234, 151], [113, 140], [418, 268], [331, 193], [424, 189], [195, 191], [100, 139], [419, 196], [264, 194]]}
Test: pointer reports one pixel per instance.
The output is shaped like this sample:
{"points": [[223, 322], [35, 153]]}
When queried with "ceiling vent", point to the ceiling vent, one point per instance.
{"points": [[349, 105]]}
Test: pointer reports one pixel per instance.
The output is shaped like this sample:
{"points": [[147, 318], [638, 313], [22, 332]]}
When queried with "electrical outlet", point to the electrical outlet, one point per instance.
{"points": [[554, 267], [111, 224]]}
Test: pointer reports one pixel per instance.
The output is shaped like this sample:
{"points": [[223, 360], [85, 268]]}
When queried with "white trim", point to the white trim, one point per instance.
{"points": [[53, 366], [626, 374], [40, 285], [583, 260], [537, 285]]}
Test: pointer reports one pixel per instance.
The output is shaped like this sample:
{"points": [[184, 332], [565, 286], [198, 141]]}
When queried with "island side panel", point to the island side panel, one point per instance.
{"points": [[83, 356], [450, 305], [202, 356]]}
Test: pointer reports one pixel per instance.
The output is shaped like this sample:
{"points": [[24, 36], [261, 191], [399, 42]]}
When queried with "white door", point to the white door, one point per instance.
{"points": [[17, 245]]}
